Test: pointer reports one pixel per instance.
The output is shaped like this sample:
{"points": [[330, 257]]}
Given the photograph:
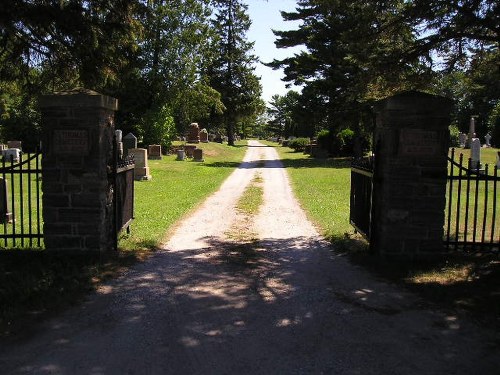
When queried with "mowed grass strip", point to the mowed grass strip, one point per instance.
{"points": [[469, 283], [252, 197], [176, 188], [34, 284]]}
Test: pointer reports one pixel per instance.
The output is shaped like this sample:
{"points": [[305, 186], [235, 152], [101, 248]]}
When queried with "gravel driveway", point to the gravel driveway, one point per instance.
{"points": [[281, 302]]}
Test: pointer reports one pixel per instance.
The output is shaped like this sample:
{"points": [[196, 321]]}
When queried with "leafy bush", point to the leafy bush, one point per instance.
{"points": [[345, 142], [298, 144], [325, 139], [158, 127], [454, 135]]}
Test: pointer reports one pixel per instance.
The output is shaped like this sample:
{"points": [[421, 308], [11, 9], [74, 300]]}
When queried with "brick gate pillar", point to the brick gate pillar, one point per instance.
{"points": [[409, 187], [77, 151]]}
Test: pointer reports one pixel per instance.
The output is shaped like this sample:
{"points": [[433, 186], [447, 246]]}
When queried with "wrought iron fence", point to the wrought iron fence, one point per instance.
{"points": [[21, 202], [473, 207]]}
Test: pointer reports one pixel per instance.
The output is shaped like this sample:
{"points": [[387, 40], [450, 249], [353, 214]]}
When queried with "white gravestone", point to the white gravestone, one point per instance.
{"points": [[462, 138], [11, 154], [141, 169], [475, 152], [487, 138]]}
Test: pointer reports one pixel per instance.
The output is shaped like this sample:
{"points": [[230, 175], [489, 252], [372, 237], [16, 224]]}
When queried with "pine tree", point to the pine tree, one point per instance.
{"points": [[232, 73]]}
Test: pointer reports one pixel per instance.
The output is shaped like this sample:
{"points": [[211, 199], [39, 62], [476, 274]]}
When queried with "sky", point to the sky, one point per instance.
{"points": [[265, 15]]}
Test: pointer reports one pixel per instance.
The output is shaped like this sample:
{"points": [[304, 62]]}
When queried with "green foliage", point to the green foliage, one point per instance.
{"points": [[231, 72], [158, 127], [299, 144], [454, 135]]}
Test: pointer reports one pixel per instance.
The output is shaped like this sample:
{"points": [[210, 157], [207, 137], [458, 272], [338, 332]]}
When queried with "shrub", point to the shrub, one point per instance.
{"points": [[454, 135], [158, 127], [345, 140], [325, 139], [298, 144]]}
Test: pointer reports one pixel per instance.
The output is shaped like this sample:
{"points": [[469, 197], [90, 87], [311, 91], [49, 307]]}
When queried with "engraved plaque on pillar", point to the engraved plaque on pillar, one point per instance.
{"points": [[71, 142]]}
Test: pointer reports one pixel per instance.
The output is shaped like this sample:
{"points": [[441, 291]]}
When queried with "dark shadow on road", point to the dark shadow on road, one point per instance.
{"points": [[337, 163], [270, 306]]}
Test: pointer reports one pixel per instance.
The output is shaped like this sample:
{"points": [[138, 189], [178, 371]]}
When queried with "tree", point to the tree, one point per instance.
{"points": [[232, 72], [344, 65]]}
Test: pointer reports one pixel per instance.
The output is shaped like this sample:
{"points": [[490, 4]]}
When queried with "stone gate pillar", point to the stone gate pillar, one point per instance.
{"points": [[77, 151], [409, 188]]}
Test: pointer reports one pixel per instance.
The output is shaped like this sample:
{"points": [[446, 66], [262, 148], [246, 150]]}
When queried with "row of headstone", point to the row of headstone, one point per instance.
{"points": [[463, 138], [190, 151]]}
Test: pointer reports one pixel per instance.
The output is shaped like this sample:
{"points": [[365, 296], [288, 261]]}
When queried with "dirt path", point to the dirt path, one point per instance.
{"points": [[281, 304]]}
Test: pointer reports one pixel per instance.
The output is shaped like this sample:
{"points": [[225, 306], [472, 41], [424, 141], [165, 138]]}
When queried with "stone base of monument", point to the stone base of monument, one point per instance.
{"points": [[142, 174]]}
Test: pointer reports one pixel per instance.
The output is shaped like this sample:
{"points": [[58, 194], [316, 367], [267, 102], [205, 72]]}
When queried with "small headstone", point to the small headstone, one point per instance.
{"points": [[203, 136], [119, 143], [14, 144], [198, 155], [5, 212], [211, 137], [189, 149], [218, 138], [129, 142], [487, 139], [154, 152], [462, 139], [11, 154], [141, 169], [181, 155], [194, 133], [475, 152]]}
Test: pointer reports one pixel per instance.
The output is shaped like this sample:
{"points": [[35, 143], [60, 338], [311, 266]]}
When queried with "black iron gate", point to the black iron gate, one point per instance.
{"points": [[21, 202], [361, 195], [123, 193], [473, 206]]}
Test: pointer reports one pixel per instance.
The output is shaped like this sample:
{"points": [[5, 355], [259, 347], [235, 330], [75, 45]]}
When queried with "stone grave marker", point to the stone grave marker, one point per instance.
{"points": [[181, 155], [129, 142], [14, 144], [203, 136], [189, 149], [194, 133], [198, 155], [462, 139], [141, 169], [11, 154], [498, 159], [154, 152], [487, 139], [475, 152], [119, 143], [5, 212]]}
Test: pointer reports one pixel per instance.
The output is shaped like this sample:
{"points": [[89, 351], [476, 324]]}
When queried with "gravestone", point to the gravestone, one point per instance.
{"points": [[487, 139], [119, 143], [141, 169], [475, 153], [218, 138], [472, 132], [5, 212], [462, 139], [14, 144], [498, 159], [409, 181], [203, 136], [11, 154], [180, 155], [3, 147], [78, 129], [154, 152], [194, 133], [198, 155], [189, 149], [129, 141]]}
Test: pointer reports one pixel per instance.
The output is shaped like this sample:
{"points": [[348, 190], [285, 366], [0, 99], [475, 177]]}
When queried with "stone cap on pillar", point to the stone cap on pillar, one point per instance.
{"points": [[78, 97], [416, 100]]}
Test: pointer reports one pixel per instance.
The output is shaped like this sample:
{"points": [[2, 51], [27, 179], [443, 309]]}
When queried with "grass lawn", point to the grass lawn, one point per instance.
{"points": [[34, 283], [459, 281]]}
